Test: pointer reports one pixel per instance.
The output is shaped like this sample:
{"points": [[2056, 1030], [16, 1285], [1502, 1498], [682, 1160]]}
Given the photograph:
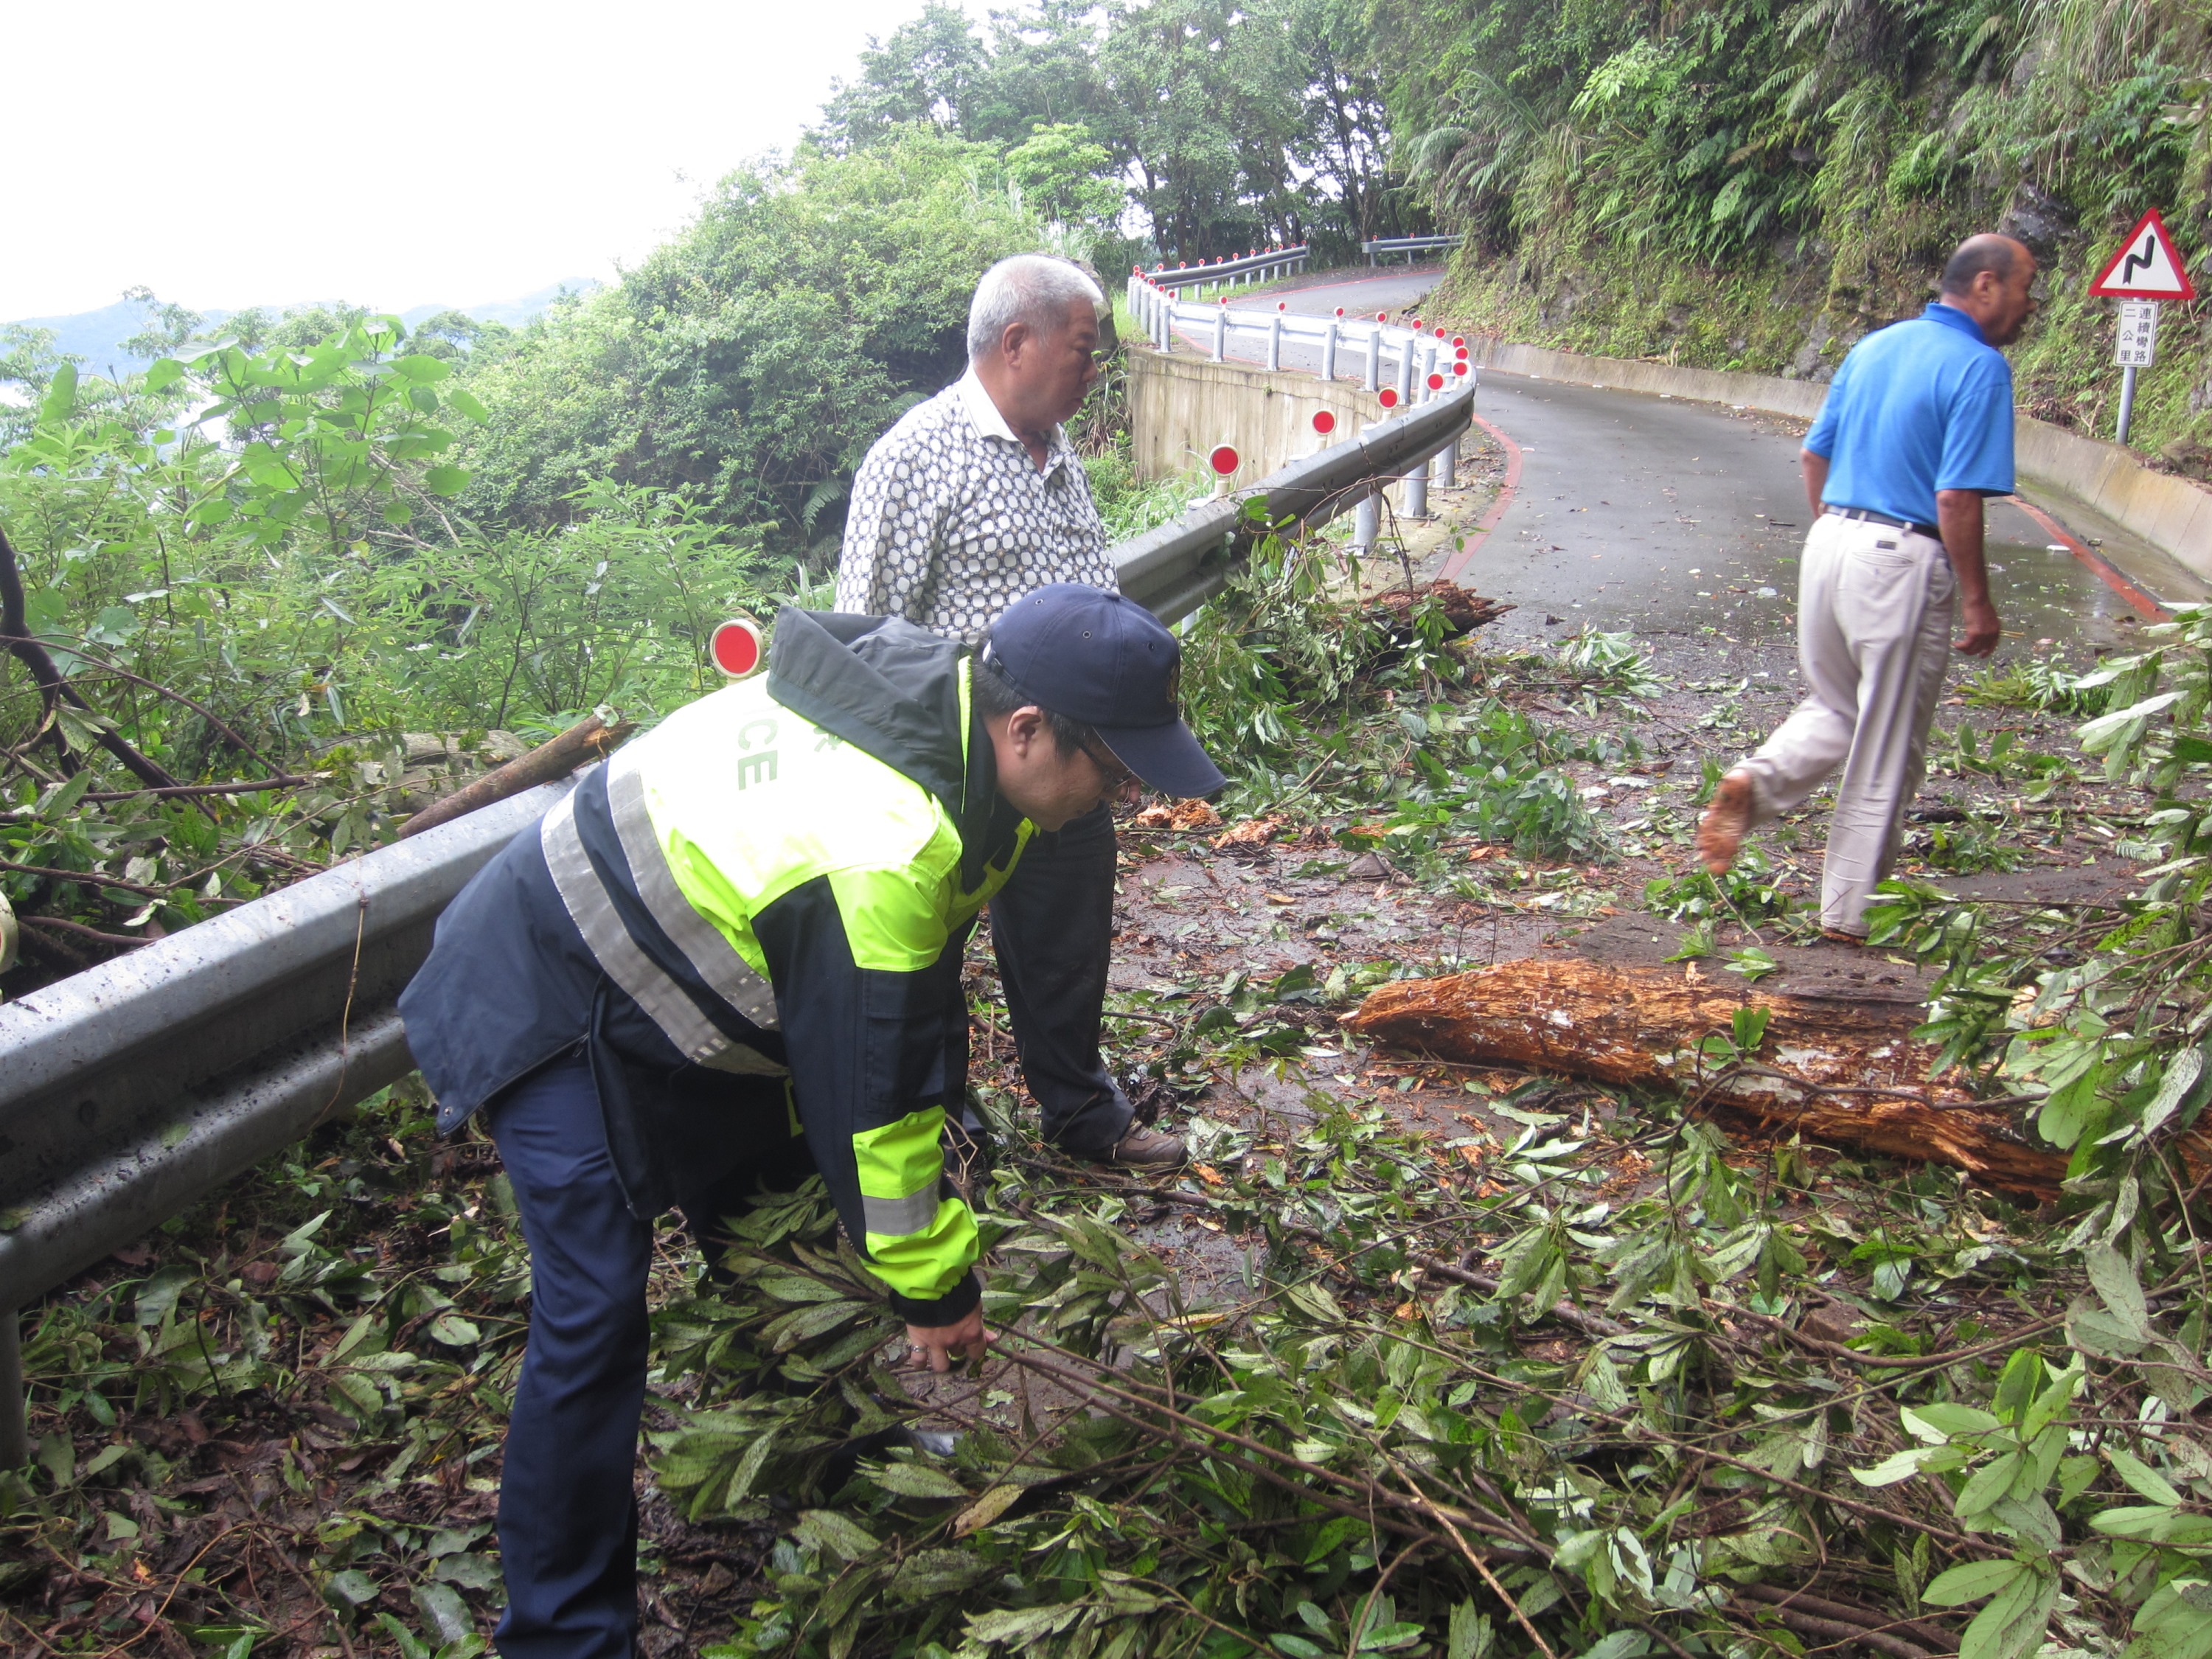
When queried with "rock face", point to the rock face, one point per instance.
{"points": [[1847, 1072]]}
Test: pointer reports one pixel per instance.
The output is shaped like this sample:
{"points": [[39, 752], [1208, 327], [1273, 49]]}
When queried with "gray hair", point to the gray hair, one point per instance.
{"points": [[1036, 288]]}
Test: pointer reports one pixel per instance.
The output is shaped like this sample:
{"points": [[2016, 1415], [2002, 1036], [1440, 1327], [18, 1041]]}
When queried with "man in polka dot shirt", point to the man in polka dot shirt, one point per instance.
{"points": [[975, 498]]}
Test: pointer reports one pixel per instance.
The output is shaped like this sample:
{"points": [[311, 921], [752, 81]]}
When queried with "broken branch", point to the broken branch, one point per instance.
{"points": [[15, 634], [589, 739]]}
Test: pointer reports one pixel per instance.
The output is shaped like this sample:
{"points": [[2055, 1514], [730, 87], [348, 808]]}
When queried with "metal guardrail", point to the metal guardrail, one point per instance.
{"points": [[131, 1089], [1262, 265], [1417, 356], [1409, 245], [1175, 568]]}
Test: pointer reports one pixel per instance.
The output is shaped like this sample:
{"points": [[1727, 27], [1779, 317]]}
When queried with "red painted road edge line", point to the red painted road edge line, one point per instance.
{"points": [[2144, 606], [1458, 560]]}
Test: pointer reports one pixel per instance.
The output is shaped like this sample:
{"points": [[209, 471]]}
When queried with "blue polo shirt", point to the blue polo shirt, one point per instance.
{"points": [[1916, 407]]}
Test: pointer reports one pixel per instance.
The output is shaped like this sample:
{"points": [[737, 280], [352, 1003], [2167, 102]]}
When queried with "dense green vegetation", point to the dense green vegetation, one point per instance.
{"points": [[1567, 1372], [1754, 183], [1232, 124], [297, 537]]}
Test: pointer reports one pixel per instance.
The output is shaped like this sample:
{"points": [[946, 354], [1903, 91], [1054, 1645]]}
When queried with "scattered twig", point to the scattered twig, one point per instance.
{"points": [[78, 930], [222, 728], [246, 786]]}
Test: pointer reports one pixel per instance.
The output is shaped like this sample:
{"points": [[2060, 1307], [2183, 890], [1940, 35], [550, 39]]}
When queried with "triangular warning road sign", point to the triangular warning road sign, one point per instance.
{"points": [[2147, 267]]}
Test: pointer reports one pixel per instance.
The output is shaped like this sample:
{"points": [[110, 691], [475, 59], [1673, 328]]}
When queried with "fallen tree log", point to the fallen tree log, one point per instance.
{"points": [[1846, 1072]]}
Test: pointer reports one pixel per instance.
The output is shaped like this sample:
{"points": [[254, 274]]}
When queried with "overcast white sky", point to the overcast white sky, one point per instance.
{"points": [[393, 154]]}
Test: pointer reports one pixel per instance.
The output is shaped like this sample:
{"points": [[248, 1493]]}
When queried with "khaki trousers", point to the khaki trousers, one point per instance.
{"points": [[1873, 637]]}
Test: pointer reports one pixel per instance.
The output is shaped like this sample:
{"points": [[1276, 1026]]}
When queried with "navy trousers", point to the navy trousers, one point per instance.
{"points": [[1052, 926], [568, 1505]]}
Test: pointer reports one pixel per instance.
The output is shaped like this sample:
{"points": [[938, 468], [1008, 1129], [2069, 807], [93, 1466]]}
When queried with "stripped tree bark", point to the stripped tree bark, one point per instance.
{"points": [[1847, 1072]]}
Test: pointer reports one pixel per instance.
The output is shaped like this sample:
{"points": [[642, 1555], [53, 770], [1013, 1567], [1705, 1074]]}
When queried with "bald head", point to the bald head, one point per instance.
{"points": [[1988, 278], [1998, 255]]}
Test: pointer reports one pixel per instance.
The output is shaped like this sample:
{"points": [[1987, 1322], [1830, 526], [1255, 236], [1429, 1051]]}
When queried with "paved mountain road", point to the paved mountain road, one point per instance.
{"points": [[1681, 521]]}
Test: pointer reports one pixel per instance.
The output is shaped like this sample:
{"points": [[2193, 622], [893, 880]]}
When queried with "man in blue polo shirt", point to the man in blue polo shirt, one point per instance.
{"points": [[1917, 431]]}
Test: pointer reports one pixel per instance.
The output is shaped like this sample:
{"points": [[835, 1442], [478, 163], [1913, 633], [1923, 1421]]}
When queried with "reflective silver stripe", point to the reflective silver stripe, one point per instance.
{"points": [[694, 1035], [896, 1217], [746, 1062], [728, 974]]}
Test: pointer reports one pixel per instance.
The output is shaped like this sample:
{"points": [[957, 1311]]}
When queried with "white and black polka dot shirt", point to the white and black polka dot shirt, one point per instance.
{"points": [[952, 521]]}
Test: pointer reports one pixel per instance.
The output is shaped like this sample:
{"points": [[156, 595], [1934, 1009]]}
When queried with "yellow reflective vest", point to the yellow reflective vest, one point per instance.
{"points": [[772, 887]]}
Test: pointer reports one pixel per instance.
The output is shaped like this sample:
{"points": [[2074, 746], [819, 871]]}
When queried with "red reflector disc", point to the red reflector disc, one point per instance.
{"points": [[1223, 459], [736, 647], [1323, 422], [1460, 368], [1388, 396], [1436, 383]]}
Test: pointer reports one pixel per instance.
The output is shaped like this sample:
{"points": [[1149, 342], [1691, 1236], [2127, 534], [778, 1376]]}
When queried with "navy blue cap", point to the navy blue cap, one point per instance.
{"points": [[1100, 659]]}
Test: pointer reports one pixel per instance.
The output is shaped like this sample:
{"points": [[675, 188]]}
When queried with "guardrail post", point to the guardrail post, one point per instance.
{"points": [[1275, 341], [1328, 350], [1221, 332], [1372, 381], [14, 1428], [1406, 374], [1414, 496], [1444, 470], [1366, 523]]}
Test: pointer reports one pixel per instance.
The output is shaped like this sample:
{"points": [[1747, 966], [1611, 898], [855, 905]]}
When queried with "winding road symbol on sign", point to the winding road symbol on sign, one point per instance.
{"points": [[2147, 267]]}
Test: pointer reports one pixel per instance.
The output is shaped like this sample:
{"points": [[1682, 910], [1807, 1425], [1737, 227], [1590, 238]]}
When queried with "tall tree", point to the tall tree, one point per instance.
{"points": [[926, 71]]}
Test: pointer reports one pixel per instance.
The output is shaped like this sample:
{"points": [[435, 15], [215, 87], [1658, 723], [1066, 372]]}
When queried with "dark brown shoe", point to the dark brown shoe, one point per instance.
{"points": [[1726, 822], [1147, 1149]]}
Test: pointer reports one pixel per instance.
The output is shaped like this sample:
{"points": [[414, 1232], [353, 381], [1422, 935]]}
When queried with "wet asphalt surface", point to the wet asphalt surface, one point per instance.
{"points": [[1685, 520], [1682, 521]]}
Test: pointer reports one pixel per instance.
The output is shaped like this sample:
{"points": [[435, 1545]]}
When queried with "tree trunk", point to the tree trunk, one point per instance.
{"points": [[1844, 1072]]}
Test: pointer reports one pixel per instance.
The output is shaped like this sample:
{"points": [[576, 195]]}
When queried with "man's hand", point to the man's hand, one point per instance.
{"points": [[1983, 628], [945, 1346]]}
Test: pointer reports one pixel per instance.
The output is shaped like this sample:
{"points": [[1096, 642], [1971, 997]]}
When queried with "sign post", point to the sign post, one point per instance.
{"points": [[2147, 269], [2135, 343]]}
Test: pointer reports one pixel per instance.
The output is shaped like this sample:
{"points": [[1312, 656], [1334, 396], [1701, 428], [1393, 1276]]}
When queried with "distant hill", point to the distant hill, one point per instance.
{"points": [[97, 337]]}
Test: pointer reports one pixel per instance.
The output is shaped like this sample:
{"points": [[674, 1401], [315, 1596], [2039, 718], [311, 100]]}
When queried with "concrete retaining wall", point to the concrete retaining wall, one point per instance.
{"points": [[1179, 407], [2172, 514]]}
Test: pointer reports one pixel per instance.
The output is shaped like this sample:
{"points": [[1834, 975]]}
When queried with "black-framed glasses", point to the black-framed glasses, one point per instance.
{"points": [[1117, 776]]}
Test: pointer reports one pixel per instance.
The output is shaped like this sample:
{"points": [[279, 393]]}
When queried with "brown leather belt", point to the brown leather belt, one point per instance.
{"points": [[1926, 529]]}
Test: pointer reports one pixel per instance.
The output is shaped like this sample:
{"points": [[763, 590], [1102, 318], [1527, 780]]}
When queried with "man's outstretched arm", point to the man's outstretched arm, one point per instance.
{"points": [[1959, 516]]}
